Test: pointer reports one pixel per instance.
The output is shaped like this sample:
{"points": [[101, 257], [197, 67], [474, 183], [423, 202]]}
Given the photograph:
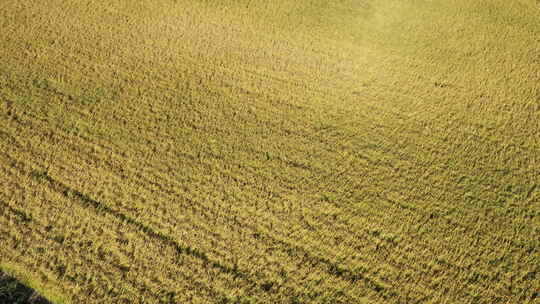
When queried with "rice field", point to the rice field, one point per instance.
{"points": [[351, 151]]}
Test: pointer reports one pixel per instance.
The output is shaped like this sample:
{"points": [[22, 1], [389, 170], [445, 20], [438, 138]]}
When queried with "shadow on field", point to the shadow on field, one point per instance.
{"points": [[13, 292]]}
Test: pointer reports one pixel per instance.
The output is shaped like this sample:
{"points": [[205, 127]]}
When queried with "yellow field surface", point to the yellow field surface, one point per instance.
{"points": [[351, 151]]}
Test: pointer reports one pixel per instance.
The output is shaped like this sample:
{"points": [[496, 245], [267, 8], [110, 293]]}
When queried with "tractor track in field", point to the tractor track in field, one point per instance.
{"points": [[99, 207], [332, 269], [26, 220]]}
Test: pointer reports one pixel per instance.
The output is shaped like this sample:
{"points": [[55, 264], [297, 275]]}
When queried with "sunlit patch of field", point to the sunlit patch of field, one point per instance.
{"points": [[271, 151]]}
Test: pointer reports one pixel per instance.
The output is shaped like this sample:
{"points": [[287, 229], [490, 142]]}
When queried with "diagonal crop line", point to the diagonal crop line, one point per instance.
{"points": [[332, 268], [87, 201], [20, 214], [329, 266], [180, 249]]}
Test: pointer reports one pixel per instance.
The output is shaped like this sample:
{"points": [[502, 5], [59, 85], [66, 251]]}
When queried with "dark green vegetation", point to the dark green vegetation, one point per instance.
{"points": [[271, 151], [13, 292]]}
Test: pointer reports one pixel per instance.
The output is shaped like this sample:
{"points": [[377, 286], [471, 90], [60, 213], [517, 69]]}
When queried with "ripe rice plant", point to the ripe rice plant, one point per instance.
{"points": [[175, 151]]}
